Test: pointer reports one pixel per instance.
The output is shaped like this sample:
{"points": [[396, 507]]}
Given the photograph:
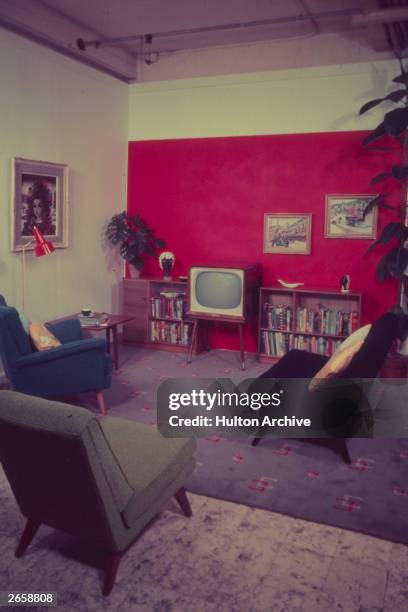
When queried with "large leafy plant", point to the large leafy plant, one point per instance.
{"points": [[133, 237], [394, 129]]}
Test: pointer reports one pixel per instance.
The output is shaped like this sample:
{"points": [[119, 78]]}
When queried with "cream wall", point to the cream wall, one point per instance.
{"points": [[57, 110], [313, 99]]}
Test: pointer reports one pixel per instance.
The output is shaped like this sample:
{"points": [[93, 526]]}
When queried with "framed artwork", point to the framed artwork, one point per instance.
{"points": [[344, 217], [287, 233], [39, 198]]}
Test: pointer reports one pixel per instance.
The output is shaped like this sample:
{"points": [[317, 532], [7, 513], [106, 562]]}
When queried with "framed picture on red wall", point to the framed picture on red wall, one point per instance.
{"points": [[345, 217], [287, 233]]}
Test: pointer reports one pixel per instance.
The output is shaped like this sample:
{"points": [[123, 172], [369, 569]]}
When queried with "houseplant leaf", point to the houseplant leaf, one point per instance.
{"points": [[383, 267], [393, 264], [401, 262], [377, 133], [380, 177], [401, 78], [378, 201], [369, 105], [394, 96], [397, 96], [391, 231], [379, 148], [133, 238], [400, 172], [396, 121]]}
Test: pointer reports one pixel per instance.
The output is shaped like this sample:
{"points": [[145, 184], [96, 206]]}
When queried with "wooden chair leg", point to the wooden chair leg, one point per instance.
{"points": [[112, 562], [344, 451], [101, 402], [27, 536], [183, 502], [241, 345], [193, 341]]}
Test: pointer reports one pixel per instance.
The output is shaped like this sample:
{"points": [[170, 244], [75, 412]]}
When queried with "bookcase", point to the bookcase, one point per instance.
{"points": [[158, 309], [312, 320]]}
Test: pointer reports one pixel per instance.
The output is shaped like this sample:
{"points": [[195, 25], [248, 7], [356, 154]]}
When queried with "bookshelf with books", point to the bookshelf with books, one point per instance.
{"points": [[158, 308], [311, 320]]}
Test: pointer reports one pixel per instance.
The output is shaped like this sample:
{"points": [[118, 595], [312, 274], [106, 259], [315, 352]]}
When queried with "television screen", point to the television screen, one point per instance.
{"points": [[222, 292], [218, 289]]}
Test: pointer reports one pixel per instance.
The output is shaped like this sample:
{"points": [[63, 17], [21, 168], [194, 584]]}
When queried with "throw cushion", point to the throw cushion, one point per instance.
{"points": [[42, 338], [358, 336], [337, 363]]}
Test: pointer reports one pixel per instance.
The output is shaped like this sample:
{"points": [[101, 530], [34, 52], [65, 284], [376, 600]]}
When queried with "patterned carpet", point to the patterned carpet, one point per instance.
{"points": [[299, 478]]}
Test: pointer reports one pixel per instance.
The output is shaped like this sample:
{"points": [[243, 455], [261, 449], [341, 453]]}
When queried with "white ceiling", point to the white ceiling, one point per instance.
{"points": [[154, 27]]}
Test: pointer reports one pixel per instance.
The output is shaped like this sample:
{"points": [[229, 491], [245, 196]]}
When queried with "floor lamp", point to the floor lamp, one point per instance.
{"points": [[42, 247]]}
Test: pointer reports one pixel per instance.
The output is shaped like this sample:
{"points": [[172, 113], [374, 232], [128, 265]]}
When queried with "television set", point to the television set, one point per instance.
{"points": [[226, 292]]}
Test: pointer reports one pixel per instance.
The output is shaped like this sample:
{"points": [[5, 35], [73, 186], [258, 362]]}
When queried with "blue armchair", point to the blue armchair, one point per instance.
{"points": [[77, 366]]}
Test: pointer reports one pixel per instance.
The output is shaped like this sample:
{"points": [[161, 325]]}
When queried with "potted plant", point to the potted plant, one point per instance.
{"points": [[394, 127], [134, 239]]}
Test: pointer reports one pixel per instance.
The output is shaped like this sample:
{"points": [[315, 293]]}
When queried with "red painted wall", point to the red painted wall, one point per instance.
{"points": [[207, 198]]}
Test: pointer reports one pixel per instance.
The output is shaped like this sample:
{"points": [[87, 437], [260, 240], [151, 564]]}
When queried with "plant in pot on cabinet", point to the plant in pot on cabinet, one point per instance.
{"points": [[134, 240]]}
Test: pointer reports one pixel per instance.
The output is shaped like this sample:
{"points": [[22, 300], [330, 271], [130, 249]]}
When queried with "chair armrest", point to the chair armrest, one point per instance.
{"points": [[66, 331], [60, 352]]}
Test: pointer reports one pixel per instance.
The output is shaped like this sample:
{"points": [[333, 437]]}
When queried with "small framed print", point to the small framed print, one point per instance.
{"points": [[345, 218], [39, 199], [287, 233]]}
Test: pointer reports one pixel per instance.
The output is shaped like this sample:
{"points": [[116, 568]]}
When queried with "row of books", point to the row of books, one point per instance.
{"points": [[277, 317], [275, 343], [278, 344], [326, 321], [321, 345], [170, 333], [167, 308]]}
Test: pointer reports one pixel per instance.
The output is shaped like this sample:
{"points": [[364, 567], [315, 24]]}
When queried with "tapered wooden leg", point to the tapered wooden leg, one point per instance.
{"points": [[343, 450], [28, 534], [241, 344], [193, 341], [111, 568], [101, 402], [208, 336], [183, 501]]}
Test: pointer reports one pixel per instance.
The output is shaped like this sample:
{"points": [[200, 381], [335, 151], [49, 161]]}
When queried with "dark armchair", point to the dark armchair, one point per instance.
{"points": [[342, 399], [77, 366], [100, 479]]}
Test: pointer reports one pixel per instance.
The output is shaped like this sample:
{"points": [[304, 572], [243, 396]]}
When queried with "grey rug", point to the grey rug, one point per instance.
{"points": [[303, 479]]}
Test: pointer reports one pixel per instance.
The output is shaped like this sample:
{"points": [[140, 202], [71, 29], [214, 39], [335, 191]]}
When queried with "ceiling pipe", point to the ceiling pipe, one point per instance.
{"points": [[63, 50], [389, 15], [83, 44]]}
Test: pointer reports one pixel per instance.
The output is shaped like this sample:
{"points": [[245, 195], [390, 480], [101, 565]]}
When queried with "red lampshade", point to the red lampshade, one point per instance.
{"points": [[42, 246]]}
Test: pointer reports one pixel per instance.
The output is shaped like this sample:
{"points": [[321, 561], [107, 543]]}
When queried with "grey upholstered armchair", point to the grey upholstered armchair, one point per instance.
{"points": [[100, 479]]}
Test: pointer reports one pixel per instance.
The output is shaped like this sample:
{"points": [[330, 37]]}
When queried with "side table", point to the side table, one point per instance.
{"points": [[111, 324]]}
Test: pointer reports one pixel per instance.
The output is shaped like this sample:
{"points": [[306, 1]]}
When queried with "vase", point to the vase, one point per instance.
{"points": [[167, 265]]}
